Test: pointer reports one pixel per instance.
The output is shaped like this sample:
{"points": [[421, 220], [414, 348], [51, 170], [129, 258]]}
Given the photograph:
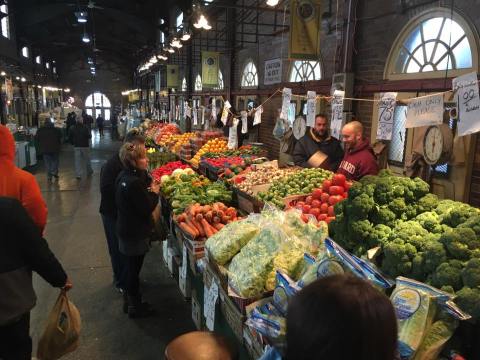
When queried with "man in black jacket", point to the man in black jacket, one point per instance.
{"points": [[49, 140], [80, 138], [316, 145], [108, 210], [22, 249]]}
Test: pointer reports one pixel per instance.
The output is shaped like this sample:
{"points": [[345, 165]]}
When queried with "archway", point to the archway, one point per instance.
{"points": [[98, 104]]}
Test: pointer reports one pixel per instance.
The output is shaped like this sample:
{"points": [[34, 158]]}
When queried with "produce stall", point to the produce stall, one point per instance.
{"points": [[244, 241]]}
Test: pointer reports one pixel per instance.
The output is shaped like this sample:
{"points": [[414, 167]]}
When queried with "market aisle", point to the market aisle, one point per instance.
{"points": [[75, 234]]}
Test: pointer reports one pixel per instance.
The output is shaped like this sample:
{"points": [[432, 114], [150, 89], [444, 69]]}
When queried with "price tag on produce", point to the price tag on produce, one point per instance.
{"points": [[225, 112], [386, 109], [337, 113], [233, 136], [286, 99], [213, 114], [257, 119], [311, 107], [243, 114], [210, 301], [468, 102]]}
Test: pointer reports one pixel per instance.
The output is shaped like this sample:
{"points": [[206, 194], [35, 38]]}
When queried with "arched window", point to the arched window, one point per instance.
{"points": [[305, 71], [184, 85], [221, 84], [249, 75], [98, 104], [431, 44], [198, 83]]}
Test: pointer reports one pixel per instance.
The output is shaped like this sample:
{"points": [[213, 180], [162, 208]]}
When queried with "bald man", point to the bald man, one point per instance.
{"points": [[359, 159]]}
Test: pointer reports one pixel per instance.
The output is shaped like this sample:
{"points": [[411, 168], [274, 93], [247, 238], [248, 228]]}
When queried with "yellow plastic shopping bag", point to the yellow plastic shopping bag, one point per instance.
{"points": [[62, 332]]}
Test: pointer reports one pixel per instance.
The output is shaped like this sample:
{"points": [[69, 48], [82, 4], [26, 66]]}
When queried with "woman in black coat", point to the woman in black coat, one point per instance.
{"points": [[136, 197]]}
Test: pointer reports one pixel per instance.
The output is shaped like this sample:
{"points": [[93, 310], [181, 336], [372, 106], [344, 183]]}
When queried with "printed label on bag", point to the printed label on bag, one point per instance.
{"points": [[406, 303]]}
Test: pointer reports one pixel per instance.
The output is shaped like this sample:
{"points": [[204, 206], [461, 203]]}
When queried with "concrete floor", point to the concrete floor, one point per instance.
{"points": [[75, 234]]}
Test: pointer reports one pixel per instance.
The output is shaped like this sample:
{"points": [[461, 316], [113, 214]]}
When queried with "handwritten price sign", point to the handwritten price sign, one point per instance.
{"points": [[386, 110], [468, 102], [337, 113]]}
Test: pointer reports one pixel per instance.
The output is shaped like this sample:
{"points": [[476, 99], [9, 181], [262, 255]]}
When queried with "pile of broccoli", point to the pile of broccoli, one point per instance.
{"points": [[420, 237]]}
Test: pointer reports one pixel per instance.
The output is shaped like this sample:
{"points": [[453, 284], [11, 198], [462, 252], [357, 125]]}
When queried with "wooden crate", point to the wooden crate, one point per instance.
{"points": [[197, 311], [232, 314], [217, 271], [246, 202]]}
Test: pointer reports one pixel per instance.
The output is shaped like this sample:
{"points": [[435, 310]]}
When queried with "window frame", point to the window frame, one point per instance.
{"points": [[25, 51], [198, 86], [38, 60], [293, 67], [5, 22], [470, 32], [179, 24], [184, 82], [244, 74], [221, 82]]}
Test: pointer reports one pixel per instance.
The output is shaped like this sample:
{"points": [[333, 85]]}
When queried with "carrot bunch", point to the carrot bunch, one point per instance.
{"points": [[204, 221]]}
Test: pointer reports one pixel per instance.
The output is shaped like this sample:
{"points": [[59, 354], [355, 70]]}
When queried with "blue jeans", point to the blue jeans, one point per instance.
{"points": [[51, 163], [82, 161], [119, 261]]}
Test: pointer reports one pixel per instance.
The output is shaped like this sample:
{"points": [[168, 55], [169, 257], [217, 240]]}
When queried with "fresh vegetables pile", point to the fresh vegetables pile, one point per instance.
{"points": [[204, 221], [419, 236], [300, 183], [260, 175], [182, 140], [168, 169], [243, 150], [213, 146], [321, 201], [164, 132], [158, 158]]}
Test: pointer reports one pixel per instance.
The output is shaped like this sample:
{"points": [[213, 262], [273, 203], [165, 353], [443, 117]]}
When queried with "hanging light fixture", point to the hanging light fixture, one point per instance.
{"points": [[3, 73], [185, 33], [67, 90], [176, 43], [23, 79], [81, 17], [170, 50], [272, 2], [85, 38], [202, 23]]}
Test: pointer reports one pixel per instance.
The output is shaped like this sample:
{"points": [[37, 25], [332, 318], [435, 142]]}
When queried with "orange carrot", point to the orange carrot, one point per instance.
{"points": [[181, 218], [209, 216], [218, 226], [186, 228], [199, 217], [226, 218], [198, 226], [207, 228], [191, 223], [193, 229], [216, 219]]}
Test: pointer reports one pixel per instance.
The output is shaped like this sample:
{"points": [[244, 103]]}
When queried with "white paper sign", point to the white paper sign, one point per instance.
{"points": [[286, 98], [177, 112], [183, 271], [273, 72], [311, 107], [232, 135], [468, 103], [202, 115], [209, 305], [195, 116], [424, 111], [224, 118], [337, 113], [257, 119], [386, 110], [214, 109], [243, 115], [188, 111]]}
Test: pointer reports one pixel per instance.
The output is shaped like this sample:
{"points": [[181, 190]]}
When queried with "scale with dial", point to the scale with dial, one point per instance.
{"points": [[299, 127], [437, 144]]}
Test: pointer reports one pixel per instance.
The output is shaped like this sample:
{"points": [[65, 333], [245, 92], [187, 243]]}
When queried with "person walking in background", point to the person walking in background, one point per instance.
{"points": [[108, 210], [136, 197], [100, 124], [70, 121], [80, 138], [19, 184], [22, 249], [87, 120], [49, 139]]}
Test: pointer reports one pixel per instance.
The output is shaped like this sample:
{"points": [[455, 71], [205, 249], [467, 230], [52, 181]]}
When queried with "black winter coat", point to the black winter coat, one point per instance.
{"points": [[79, 135], [22, 249], [49, 139], [307, 146], [134, 208], [108, 176]]}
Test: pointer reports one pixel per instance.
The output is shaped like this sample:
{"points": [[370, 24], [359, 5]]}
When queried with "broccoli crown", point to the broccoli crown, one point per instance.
{"points": [[383, 215], [471, 273], [360, 206], [430, 221], [444, 207], [469, 300], [458, 215], [460, 242], [421, 188], [473, 223], [410, 212], [448, 274], [398, 257], [411, 232], [427, 203], [379, 235], [418, 269], [435, 255], [360, 230], [398, 206]]}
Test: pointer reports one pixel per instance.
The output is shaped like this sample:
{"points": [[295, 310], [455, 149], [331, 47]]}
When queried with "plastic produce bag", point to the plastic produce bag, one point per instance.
{"points": [[435, 338], [61, 335], [286, 288], [226, 243]]}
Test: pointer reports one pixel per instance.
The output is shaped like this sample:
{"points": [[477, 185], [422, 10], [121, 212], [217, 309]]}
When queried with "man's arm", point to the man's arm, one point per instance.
{"points": [[337, 156], [300, 155]]}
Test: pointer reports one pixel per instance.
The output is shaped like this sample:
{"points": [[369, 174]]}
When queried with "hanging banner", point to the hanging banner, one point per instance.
{"points": [[311, 108], [273, 72], [243, 115], [337, 113], [257, 119], [468, 103], [305, 20], [172, 76], [210, 67], [424, 111], [286, 99], [195, 116], [232, 135], [386, 110], [224, 118]]}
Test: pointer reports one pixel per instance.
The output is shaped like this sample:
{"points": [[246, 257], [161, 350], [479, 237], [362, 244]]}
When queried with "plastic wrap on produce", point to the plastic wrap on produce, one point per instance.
{"points": [[225, 244]]}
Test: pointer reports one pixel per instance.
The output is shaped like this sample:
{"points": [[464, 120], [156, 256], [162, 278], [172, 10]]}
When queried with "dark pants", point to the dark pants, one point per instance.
{"points": [[100, 130], [118, 260], [134, 266], [51, 163], [15, 340]]}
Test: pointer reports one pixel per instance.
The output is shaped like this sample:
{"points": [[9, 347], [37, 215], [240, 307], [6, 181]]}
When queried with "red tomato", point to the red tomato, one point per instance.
{"points": [[338, 179], [336, 190], [331, 211], [348, 185], [324, 208], [300, 203], [321, 217], [314, 212], [304, 218], [325, 198], [299, 207], [334, 199], [308, 200], [316, 204], [329, 219], [345, 195], [306, 209], [326, 185], [317, 194]]}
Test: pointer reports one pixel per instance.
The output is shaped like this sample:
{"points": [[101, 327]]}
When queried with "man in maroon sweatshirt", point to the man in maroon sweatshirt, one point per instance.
{"points": [[359, 159]]}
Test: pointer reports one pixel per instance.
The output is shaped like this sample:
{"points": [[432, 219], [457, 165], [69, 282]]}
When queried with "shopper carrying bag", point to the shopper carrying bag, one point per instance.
{"points": [[62, 333]]}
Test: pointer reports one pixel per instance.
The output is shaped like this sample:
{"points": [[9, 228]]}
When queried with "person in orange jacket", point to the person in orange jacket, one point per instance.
{"points": [[19, 184]]}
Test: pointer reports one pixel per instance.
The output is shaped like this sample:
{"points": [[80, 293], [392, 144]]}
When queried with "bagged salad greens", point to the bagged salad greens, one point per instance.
{"points": [[226, 243], [435, 338]]}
